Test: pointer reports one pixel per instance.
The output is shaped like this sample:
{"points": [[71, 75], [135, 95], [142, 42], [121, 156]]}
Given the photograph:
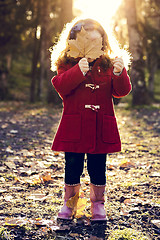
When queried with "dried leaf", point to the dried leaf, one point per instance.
{"points": [[36, 181], [45, 177], [2, 190], [60, 228], [38, 197], [72, 202], [126, 164], [124, 212], [95, 238], [84, 46], [78, 204], [81, 205], [156, 223], [13, 222], [127, 201], [43, 222]]}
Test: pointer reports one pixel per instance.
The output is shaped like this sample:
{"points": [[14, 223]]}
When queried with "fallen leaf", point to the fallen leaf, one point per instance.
{"points": [[13, 131], [36, 181], [56, 153], [10, 165], [126, 164], [84, 46], [8, 198], [156, 223], [78, 204], [43, 222], [72, 202], [4, 125], [45, 177], [127, 201], [2, 190], [60, 228], [15, 222], [81, 205], [95, 238], [38, 197]]}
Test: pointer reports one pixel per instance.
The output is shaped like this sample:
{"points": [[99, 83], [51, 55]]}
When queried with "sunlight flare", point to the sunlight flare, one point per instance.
{"points": [[101, 10]]}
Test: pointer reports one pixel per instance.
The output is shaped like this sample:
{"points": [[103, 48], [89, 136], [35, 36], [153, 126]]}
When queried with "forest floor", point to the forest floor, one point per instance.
{"points": [[31, 178]]}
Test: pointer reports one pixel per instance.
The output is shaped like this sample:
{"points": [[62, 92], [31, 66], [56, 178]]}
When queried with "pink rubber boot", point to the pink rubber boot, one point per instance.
{"points": [[70, 191], [97, 202]]}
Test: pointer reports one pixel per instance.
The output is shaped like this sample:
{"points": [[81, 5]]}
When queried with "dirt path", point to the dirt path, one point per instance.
{"points": [[31, 178]]}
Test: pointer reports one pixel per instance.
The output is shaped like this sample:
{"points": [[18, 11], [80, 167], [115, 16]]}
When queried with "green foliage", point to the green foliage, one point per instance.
{"points": [[19, 82], [127, 234]]}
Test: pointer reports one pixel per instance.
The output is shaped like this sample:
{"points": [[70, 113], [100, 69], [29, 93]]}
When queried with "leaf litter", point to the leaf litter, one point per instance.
{"points": [[31, 178]]}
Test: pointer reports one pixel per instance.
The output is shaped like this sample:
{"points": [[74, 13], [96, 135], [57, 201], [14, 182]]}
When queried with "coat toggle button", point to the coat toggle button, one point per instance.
{"points": [[93, 107]]}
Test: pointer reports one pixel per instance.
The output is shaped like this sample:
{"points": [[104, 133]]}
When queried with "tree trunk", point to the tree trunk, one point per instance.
{"points": [[44, 23], [4, 72], [66, 12], [66, 16], [3, 85], [34, 68], [140, 93], [152, 67]]}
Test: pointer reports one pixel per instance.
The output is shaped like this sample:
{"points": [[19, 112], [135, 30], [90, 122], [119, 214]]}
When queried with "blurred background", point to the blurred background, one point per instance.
{"points": [[28, 28]]}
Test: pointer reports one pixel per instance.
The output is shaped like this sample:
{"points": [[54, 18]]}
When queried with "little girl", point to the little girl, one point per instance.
{"points": [[88, 124]]}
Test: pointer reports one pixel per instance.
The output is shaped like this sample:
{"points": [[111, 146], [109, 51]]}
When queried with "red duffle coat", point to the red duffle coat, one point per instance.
{"points": [[88, 123]]}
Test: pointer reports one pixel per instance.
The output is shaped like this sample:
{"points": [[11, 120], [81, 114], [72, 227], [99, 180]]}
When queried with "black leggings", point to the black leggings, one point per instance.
{"points": [[96, 166]]}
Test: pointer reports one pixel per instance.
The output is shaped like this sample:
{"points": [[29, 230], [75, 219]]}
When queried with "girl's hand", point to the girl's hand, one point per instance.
{"points": [[84, 65], [118, 65]]}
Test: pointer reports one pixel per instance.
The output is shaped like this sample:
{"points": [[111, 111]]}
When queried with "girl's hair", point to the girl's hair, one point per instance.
{"points": [[59, 50]]}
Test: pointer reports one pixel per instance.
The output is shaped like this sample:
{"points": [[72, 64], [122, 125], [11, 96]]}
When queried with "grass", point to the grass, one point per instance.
{"points": [[127, 234]]}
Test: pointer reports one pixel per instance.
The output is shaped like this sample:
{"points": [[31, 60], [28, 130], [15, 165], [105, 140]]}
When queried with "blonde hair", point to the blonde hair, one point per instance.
{"points": [[110, 45]]}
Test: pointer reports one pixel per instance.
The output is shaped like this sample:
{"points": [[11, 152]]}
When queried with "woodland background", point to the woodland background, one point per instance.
{"points": [[28, 28], [31, 175]]}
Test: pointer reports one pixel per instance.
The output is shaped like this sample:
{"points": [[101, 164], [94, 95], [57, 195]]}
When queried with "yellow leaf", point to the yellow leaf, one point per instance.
{"points": [[81, 205], [78, 204], [72, 202], [126, 164], [45, 177], [36, 181], [84, 46]]}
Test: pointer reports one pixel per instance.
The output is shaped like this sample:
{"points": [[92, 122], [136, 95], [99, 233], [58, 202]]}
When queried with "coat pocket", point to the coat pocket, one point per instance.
{"points": [[110, 132], [70, 128]]}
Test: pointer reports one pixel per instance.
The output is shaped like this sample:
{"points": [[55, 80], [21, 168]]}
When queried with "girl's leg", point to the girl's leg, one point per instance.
{"points": [[73, 170], [96, 166], [74, 163]]}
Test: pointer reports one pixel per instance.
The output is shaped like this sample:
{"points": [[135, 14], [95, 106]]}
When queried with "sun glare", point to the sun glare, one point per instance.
{"points": [[101, 10]]}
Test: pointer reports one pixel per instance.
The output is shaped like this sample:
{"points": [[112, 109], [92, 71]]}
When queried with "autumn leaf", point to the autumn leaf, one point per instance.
{"points": [[126, 164], [72, 202], [78, 204], [84, 46], [45, 177]]}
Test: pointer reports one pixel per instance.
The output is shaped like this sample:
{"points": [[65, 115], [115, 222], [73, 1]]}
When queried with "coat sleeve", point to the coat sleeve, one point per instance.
{"points": [[121, 84], [67, 80]]}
